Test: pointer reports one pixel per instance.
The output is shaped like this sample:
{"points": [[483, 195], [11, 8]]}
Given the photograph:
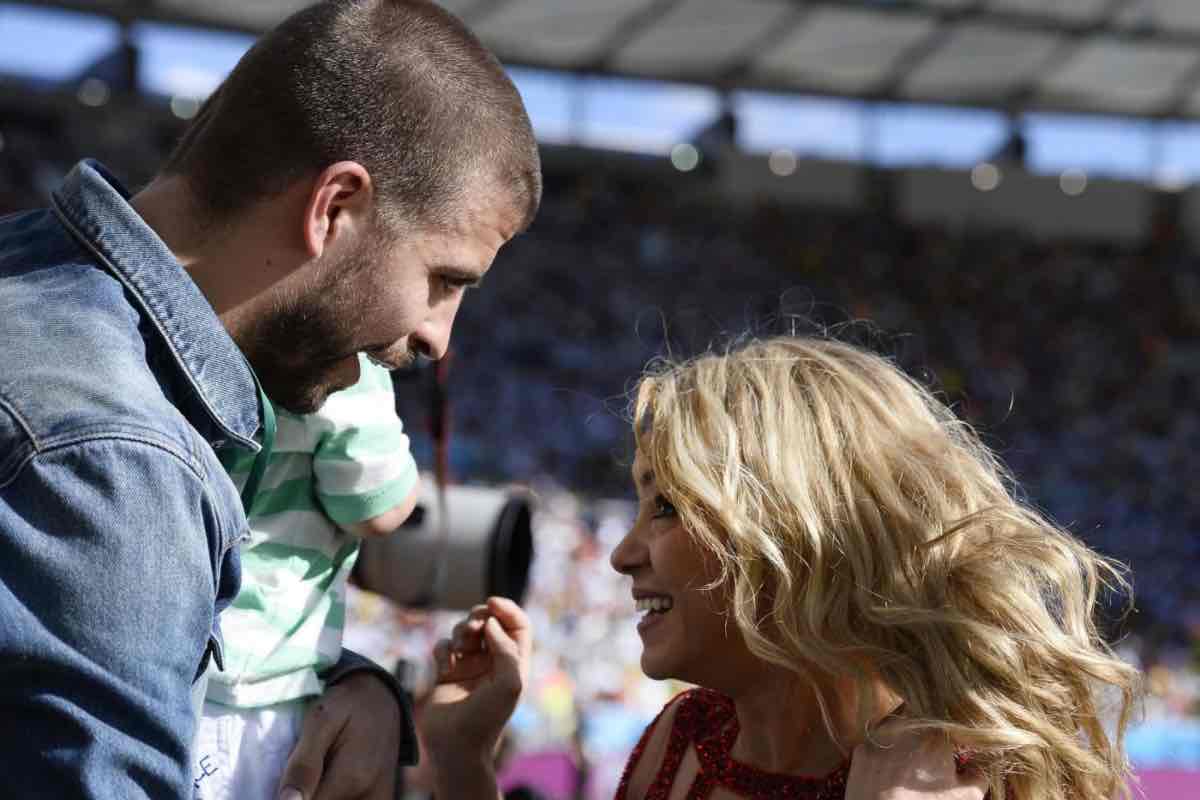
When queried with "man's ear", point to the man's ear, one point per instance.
{"points": [[339, 204]]}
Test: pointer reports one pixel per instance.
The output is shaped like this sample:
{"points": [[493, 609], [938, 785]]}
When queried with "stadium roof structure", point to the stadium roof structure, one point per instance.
{"points": [[1128, 57]]}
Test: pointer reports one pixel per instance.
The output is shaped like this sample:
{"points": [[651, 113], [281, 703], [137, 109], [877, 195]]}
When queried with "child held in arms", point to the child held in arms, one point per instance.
{"points": [[334, 476]]}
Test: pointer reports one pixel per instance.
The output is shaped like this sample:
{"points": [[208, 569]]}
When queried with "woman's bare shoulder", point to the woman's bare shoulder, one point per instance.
{"points": [[647, 757]]}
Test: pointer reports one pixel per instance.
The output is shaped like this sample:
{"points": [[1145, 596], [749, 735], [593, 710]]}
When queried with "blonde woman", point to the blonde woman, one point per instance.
{"points": [[841, 565]]}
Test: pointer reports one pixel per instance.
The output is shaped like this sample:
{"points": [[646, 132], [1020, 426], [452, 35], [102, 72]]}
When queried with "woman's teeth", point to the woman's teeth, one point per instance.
{"points": [[653, 604]]}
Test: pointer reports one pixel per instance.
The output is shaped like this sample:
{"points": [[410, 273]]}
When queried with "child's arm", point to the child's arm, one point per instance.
{"points": [[387, 522], [366, 478]]}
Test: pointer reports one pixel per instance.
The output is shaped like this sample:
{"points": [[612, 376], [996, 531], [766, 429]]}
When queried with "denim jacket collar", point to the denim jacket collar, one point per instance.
{"points": [[94, 207]]}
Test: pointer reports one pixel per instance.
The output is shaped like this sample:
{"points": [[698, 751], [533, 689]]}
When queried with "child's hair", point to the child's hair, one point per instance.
{"points": [[863, 529]]}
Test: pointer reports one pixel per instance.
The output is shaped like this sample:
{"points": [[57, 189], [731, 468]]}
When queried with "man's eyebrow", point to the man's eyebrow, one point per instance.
{"points": [[463, 275]]}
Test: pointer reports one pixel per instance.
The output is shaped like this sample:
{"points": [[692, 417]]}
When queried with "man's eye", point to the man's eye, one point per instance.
{"points": [[663, 508], [456, 284]]}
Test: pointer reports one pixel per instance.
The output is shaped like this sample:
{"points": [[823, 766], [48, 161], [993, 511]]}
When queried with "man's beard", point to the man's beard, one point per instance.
{"points": [[297, 348], [296, 353]]}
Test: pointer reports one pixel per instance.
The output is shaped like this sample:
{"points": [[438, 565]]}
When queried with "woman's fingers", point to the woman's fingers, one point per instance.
{"points": [[466, 654], [467, 635], [514, 621], [454, 666], [510, 644]]}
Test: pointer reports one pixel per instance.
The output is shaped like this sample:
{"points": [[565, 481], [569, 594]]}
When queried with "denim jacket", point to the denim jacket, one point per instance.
{"points": [[118, 524]]}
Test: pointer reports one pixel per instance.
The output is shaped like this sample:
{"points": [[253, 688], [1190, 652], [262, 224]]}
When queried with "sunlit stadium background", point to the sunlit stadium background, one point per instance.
{"points": [[1007, 188]]}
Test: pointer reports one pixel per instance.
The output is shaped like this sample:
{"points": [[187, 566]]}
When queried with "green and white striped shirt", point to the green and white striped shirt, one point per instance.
{"points": [[348, 462]]}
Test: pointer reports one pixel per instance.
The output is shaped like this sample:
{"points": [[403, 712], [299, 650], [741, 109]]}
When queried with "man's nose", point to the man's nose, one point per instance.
{"points": [[432, 338], [431, 344]]}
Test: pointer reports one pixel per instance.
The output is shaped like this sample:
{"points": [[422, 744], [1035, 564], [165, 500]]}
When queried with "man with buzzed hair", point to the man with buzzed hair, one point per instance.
{"points": [[351, 178]]}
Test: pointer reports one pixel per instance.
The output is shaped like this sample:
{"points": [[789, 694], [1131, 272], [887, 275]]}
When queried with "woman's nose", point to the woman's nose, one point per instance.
{"points": [[628, 553]]}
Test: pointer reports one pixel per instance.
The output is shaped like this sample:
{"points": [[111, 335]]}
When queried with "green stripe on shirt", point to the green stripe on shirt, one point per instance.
{"points": [[348, 462]]}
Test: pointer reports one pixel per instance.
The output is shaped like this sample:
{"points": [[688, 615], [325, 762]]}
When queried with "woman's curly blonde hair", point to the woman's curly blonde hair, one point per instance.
{"points": [[858, 521]]}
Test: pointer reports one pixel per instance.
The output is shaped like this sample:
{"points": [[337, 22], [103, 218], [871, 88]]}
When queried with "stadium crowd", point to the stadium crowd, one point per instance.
{"points": [[1080, 363], [1077, 360]]}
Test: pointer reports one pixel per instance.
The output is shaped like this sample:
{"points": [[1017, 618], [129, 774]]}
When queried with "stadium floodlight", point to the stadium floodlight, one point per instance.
{"points": [[685, 157], [93, 92], [1073, 182], [986, 176], [782, 162]]}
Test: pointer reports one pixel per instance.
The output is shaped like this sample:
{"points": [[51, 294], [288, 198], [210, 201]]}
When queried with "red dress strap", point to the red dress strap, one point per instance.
{"points": [[636, 756], [708, 722]]}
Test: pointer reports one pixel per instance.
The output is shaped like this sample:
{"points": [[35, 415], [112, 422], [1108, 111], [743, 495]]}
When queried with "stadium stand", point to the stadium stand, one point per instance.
{"points": [[1065, 327]]}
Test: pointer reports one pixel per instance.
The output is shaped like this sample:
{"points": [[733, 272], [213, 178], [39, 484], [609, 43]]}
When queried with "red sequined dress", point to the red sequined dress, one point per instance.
{"points": [[706, 721]]}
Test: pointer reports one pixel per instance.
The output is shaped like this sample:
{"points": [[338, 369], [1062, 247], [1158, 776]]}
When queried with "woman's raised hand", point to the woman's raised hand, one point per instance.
{"points": [[481, 671]]}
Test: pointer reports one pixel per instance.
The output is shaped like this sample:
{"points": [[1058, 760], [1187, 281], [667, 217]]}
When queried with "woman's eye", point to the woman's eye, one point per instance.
{"points": [[662, 508]]}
